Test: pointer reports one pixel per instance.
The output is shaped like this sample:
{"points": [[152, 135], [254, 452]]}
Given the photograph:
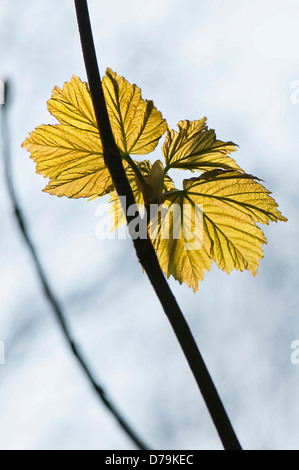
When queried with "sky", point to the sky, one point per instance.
{"points": [[237, 64]]}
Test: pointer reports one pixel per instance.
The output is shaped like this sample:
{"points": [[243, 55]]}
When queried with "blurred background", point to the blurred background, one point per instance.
{"points": [[236, 63]]}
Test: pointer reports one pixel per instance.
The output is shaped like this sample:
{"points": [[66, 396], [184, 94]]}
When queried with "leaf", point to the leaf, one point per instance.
{"points": [[195, 147], [137, 125], [230, 203], [70, 153], [214, 217], [73, 106], [173, 233]]}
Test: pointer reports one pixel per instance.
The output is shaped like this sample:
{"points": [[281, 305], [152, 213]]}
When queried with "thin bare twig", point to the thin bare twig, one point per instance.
{"points": [[48, 291]]}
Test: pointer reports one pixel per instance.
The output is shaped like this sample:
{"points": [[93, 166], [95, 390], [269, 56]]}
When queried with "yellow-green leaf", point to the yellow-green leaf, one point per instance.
{"points": [[70, 154], [230, 203], [195, 147], [183, 248], [137, 125], [73, 106]]}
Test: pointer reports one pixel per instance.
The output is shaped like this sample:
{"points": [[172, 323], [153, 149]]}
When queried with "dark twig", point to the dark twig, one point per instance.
{"points": [[54, 303], [144, 249]]}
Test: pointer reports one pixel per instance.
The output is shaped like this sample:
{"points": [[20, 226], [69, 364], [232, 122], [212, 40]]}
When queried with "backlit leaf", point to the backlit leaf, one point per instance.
{"points": [[195, 147], [73, 106], [230, 203], [213, 218], [70, 154], [183, 248]]}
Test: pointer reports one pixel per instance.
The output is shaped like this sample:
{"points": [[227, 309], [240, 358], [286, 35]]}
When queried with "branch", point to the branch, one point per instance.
{"points": [[144, 249], [50, 296]]}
